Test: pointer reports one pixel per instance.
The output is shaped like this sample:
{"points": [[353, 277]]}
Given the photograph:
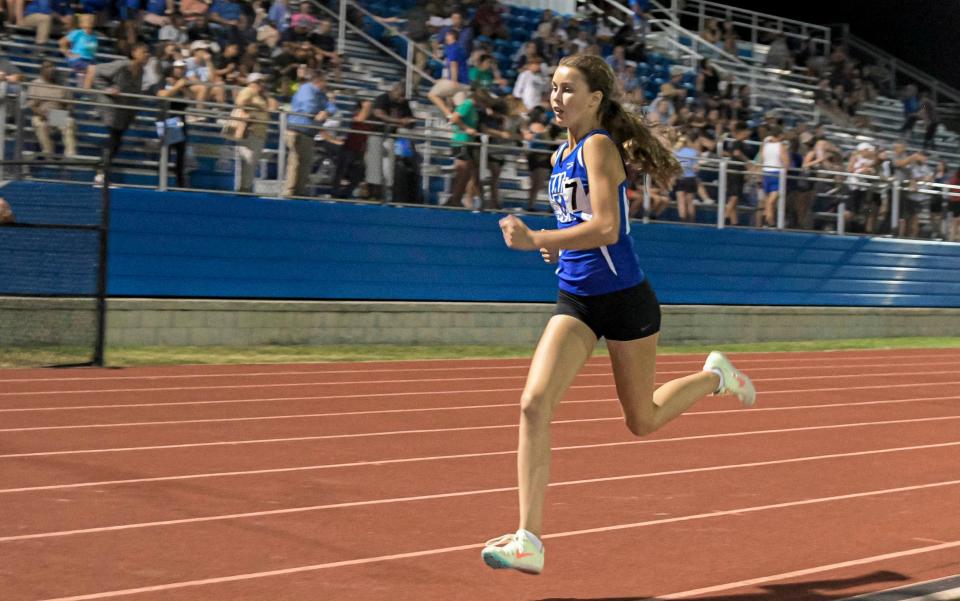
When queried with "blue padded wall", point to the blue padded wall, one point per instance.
{"points": [[212, 246]]}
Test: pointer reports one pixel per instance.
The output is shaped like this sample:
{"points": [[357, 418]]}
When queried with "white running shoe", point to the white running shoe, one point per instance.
{"points": [[515, 551], [734, 381]]}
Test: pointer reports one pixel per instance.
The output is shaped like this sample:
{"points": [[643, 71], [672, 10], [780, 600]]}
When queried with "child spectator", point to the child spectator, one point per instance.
{"points": [[80, 47]]}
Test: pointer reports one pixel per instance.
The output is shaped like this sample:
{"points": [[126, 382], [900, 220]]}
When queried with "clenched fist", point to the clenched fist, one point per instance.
{"points": [[516, 234]]}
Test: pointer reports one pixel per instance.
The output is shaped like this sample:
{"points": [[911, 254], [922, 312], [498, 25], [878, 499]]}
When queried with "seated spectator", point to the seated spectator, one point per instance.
{"points": [[711, 31], [80, 47], [456, 76], [267, 32], [531, 84], [255, 102], [708, 80], [159, 65], [279, 15], [304, 19], [6, 213], [200, 74], [463, 33], [730, 39], [525, 53], [488, 22], [778, 54], [174, 31], [485, 74], [51, 111], [158, 12], [44, 15], [224, 19], [325, 43], [537, 136], [193, 11]]}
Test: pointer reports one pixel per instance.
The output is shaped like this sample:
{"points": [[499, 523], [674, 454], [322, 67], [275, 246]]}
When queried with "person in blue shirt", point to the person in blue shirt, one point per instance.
{"points": [[224, 19], [42, 15], [911, 109], [80, 47], [158, 12], [603, 292], [686, 187], [308, 109]]}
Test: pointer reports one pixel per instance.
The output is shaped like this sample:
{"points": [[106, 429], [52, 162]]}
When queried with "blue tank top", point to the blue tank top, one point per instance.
{"points": [[597, 270]]}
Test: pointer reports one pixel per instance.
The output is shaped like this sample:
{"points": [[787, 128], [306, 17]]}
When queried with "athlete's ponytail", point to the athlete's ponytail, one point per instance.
{"points": [[640, 147]]}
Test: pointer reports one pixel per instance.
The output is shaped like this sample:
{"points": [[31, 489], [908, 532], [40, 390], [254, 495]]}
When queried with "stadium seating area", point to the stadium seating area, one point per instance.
{"points": [[672, 57]]}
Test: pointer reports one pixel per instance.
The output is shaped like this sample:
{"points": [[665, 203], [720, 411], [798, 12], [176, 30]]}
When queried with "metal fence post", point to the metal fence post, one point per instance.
{"points": [[409, 76], [841, 218], [236, 167], [3, 125], [342, 29], [164, 171], [21, 127], [282, 154], [782, 200], [895, 206], [646, 198], [722, 194], [484, 162]]}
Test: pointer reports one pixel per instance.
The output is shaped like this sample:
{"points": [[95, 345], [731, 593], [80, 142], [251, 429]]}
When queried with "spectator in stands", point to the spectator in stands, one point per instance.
{"points": [[80, 47], [465, 120], [350, 161], [920, 174], [6, 213], [116, 78], [50, 110], [158, 13], [538, 136], [175, 87], [463, 33], [773, 157], [484, 74], [456, 75], [392, 110], [256, 105], [194, 12], [911, 109], [778, 54], [308, 109], [531, 84], [44, 15], [304, 19], [325, 44], [488, 22], [9, 72], [279, 15], [501, 123], [175, 31], [730, 39], [224, 18], [739, 152], [708, 79], [953, 207], [633, 35], [928, 112], [863, 198]]}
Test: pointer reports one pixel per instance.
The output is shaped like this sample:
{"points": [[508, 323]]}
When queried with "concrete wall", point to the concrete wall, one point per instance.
{"points": [[214, 322]]}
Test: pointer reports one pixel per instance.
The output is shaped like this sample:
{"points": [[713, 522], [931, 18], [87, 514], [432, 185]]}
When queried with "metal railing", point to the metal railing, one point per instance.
{"points": [[756, 24], [831, 187]]}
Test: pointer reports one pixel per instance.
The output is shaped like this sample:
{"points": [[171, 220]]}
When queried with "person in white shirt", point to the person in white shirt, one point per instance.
{"points": [[530, 84], [774, 157]]}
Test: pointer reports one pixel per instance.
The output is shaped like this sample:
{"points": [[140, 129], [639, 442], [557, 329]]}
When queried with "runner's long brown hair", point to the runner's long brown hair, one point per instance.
{"points": [[640, 147]]}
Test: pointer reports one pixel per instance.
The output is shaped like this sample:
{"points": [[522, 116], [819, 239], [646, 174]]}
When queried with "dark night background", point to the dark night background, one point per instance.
{"points": [[924, 33]]}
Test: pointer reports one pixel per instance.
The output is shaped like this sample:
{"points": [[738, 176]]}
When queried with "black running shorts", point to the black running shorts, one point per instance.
{"points": [[623, 315]]}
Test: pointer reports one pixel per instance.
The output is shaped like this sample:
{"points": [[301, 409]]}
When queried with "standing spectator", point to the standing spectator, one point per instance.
{"points": [[224, 18], [456, 75], [176, 86], [80, 47], [42, 15], [863, 198], [953, 207], [928, 112], [708, 80], [530, 84], [465, 119], [736, 172], [49, 110], [773, 157], [255, 103], [501, 122], [350, 160], [310, 99], [463, 33], [920, 174], [391, 110], [686, 187], [911, 109], [124, 76], [537, 136]]}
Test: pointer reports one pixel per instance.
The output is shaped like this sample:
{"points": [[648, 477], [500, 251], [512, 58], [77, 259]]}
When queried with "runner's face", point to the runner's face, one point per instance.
{"points": [[571, 98]]}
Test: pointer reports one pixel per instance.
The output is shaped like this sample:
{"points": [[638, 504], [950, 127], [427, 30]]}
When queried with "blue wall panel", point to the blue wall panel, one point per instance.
{"points": [[212, 246]]}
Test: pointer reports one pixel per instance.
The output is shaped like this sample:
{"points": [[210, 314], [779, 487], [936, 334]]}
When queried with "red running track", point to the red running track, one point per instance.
{"points": [[382, 480]]}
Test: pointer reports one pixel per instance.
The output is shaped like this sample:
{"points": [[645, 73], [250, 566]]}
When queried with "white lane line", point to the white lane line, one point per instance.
{"points": [[765, 394], [694, 363], [888, 374], [448, 408], [816, 570], [444, 550], [467, 493], [465, 429], [366, 463]]}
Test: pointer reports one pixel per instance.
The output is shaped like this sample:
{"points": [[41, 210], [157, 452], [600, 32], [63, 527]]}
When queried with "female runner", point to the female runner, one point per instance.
{"points": [[603, 292]]}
